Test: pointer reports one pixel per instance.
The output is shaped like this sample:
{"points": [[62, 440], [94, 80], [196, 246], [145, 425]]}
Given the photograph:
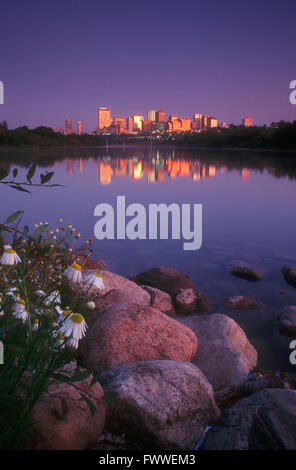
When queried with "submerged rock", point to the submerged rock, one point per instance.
{"points": [[128, 332], [289, 273], [160, 300], [234, 425], [160, 404], [189, 301], [244, 271], [167, 279], [240, 302], [225, 355], [287, 321]]}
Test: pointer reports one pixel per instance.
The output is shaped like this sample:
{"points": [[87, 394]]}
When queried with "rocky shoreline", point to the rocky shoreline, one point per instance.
{"points": [[172, 371]]}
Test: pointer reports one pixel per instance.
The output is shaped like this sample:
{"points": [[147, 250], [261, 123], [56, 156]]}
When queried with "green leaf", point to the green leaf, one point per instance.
{"points": [[47, 177], [96, 377], [13, 216], [15, 172], [39, 231], [26, 229], [92, 407], [19, 188], [31, 172], [109, 397], [65, 407]]}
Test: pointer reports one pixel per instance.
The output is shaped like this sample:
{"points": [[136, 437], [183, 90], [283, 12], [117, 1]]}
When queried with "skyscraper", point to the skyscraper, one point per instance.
{"points": [[152, 115], [68, 126], [160, 116], [197, 121], [79, 127], [247, 121], [138, 121], [120, 123], [104, 118]]}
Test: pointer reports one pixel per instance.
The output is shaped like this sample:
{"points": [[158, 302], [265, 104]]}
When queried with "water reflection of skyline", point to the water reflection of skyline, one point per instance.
{"points": [[153, 170]]}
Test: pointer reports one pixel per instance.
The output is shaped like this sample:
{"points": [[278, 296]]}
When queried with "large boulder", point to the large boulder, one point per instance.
{"points": [[273, 429], [114, 281], [241, 302], [160, 300], [130, 332], [234, 427], [165, 278], [289, 273], [287, 321], [160, 404], [244, 271], [80, 429], [189, 301], [225, 355]]}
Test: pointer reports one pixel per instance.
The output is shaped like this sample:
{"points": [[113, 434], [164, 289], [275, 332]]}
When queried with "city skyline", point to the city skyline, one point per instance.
{"points": [[226, 59]]}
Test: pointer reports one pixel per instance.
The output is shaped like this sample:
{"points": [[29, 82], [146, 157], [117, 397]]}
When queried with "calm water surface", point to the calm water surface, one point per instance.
{"points": [[249, 208]]}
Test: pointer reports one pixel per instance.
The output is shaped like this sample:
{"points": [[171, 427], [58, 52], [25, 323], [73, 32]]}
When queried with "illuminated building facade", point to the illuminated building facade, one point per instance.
{"points": [[68, 126], [247, 121], [79, 127], [104, 118]]}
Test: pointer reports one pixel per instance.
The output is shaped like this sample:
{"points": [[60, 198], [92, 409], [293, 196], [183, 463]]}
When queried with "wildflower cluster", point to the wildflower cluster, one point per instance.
{"points": [[40, 326]]}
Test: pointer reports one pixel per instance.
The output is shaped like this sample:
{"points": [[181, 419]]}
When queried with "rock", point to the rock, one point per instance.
{"points": [[81, 430], [160, 300], [240, 302], [244, 271], [160, 404], [232, 429], [114, 281], [112, 297], [287, 321], [225, 354], [273, 429], [167, 279], [129, 333], [289, 273], [189, 301]]}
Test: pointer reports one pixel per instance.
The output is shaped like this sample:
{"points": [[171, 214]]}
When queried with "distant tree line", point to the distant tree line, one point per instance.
{"points": [[283, 136], [43, 137]]}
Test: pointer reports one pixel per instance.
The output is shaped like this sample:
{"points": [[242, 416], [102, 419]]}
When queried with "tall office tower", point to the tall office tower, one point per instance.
{"points": [[152, 115], [61, 130], [138, 121], [186, 124], [160, 116], [212, 122], [173, 117], [79, 127], [147, 125], [130, 125], [197, 121], [104, 118], [68, 125], [247, 121], [120, 123], [205, 121]]}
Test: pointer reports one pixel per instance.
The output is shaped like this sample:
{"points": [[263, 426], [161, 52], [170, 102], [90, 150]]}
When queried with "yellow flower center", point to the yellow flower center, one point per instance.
{"points": [[98, 275], [76, 266], [77, 318], [11, 252], [67, 312], [36, 321], [21, 302]]}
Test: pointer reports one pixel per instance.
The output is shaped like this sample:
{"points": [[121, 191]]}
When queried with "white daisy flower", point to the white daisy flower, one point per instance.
{"points": [[95, 280], [73, 273], [73, 343], [9, 257], [59, 309], [40, 293], [19, 305], [64, 315], [53, 298], [74, 327], [35, 325]]}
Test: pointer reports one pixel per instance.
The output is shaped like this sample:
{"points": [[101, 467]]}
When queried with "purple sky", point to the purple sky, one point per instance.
{"points": [[225, 58]]}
